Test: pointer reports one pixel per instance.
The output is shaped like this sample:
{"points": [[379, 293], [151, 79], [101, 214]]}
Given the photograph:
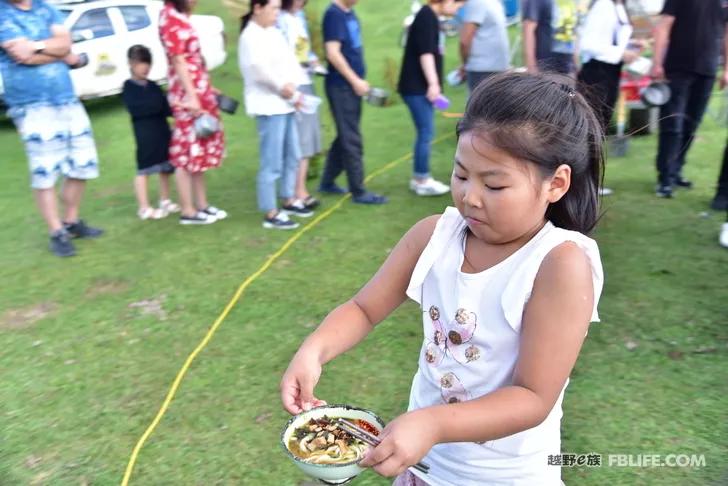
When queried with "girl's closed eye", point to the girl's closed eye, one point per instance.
{"points": [[495, 188]]}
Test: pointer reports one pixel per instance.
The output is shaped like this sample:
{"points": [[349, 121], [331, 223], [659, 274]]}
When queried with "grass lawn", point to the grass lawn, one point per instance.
{"points": [[90, 345]]}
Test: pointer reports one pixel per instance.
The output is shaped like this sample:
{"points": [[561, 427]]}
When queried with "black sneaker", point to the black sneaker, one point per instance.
{"points": [[720, 202], [61, 244], [297, 208], [682, 183], [664, 191], [199, 218], [80, 229], [370, 198], [279, 221]]}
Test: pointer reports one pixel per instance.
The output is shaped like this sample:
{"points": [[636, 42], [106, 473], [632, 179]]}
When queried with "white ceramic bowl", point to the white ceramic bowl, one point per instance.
{"points": [[330, 473]]}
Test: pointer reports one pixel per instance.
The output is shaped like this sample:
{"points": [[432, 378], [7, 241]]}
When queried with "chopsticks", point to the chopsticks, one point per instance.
{"points": [[364, 436]]}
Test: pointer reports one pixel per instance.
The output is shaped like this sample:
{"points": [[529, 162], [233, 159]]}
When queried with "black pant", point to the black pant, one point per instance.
{"points": [[679, 119], [599, 83], [723, 177], [345, 153]]}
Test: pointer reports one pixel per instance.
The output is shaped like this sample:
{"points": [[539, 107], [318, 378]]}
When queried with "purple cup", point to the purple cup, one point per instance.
{"points": [[441, 103]]}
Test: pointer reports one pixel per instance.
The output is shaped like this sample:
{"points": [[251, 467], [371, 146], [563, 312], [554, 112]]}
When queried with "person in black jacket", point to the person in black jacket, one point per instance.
{"points": [[148, 106]]}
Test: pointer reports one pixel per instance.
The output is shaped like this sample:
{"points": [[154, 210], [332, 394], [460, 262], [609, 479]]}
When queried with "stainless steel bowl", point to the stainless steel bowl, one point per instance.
{"points": [[377, 97], [206, 125], [656, 94]]}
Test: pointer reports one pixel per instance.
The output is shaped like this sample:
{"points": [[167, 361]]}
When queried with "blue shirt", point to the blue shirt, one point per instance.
{"points": [[28, 85], [342, 26]]}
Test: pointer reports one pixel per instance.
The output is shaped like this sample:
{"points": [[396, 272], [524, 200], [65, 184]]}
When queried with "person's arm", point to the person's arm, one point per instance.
{"points": [[724, 79], [467, 33], [337, 59], [262, 70], [55, 48], [351, 322], [427, 62], [555, 322], [181, 68], [662, 40], [529, 45]]}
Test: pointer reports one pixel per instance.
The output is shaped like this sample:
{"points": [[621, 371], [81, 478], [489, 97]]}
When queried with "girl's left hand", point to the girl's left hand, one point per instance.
{"points": [[405, 441]]}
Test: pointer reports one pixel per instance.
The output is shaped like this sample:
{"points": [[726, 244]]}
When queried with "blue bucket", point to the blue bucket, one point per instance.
{"points": [[511, 7]]}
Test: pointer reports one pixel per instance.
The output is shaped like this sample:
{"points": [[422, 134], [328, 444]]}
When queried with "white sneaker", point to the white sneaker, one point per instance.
{"points": [[724, 235], [214, 212], [430, 187], [605, 191]]}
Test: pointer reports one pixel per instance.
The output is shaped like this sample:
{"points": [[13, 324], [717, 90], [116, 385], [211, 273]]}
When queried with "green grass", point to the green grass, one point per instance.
{"points": [[83, 377]]}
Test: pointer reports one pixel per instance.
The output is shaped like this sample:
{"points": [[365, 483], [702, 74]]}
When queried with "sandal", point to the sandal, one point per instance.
{"points": [[150, 213], [168, 206]]}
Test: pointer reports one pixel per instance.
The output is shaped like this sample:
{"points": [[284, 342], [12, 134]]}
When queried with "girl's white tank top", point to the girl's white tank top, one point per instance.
{"points": [[472, 326]]}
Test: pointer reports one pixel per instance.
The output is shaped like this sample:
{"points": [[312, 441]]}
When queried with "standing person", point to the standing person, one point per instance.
{"points": [[603, 41], [508, 283], [420, 84], [35, 58], [484, 46], [272, 73], [148, 106], [549, 35], [292, 22], [686, 54], [191, 94], [345, 85]]}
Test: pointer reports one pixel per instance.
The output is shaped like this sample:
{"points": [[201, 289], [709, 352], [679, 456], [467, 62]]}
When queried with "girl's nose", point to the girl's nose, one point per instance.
{"points": [[471, 196]]}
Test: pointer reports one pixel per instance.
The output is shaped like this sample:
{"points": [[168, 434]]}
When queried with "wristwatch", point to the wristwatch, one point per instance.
{"points": [[39, 46]]}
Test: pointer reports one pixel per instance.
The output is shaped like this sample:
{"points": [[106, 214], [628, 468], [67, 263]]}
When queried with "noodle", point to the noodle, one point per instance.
{"points": [[320, 441]]}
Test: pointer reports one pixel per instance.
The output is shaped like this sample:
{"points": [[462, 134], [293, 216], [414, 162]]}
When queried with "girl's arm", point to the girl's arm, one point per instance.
{"points": [[349, 324], [555, 323], [180, 67]]}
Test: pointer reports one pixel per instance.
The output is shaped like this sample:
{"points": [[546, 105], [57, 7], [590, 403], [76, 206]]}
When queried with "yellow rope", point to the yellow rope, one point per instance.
{"points": [[236, 297]]}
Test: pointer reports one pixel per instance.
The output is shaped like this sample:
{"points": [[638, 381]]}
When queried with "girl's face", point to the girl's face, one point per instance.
{"points": [[266, 15], [139, 70], [298, 5], [449, 7], [501, 198]]}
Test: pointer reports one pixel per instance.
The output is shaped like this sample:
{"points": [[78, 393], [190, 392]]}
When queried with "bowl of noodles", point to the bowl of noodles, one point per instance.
{"points": [[324, 451]]}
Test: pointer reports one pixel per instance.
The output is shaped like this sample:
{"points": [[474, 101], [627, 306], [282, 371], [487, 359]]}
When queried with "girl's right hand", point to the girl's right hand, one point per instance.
{"points": [[193, 105], [298, 383]]}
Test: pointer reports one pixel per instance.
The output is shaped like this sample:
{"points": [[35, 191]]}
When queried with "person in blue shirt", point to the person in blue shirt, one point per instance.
{"points": [[345, 85], [35, 59]]}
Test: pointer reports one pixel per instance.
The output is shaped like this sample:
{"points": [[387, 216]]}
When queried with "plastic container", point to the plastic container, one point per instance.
{"points": [[441, 103]]}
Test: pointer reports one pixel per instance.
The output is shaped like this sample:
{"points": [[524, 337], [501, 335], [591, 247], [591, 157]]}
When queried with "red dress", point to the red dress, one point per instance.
{"points": [[186, 150]]}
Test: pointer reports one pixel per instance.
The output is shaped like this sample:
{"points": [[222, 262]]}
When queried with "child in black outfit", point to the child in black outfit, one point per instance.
{"points": [[148, 106]]}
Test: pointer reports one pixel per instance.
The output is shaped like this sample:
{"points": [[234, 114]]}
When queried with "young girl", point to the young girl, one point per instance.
{"points": [[147, 104], [507, 282]]}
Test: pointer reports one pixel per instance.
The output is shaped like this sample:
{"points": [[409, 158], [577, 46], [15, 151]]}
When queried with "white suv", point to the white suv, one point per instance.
{"points": [[105, 29]]}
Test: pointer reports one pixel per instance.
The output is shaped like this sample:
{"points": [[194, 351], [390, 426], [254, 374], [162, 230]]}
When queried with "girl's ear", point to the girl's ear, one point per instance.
{"points": [[559, 183]]}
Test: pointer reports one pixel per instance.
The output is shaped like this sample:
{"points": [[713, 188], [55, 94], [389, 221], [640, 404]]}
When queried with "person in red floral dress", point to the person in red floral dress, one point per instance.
{"points": [[191, 94]]}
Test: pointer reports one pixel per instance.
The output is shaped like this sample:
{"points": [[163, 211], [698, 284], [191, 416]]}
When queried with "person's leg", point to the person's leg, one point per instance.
{"points": [[164, 186], [45, 199], [720, 201], [271, 130], [291, 156], [672, 119], [184, 193], [699, 93], [599, 83], [140, 189], [301, 191], [350, 141], [199, 189], [334, 164], [474, 78], [423, 117], [71, 195]]}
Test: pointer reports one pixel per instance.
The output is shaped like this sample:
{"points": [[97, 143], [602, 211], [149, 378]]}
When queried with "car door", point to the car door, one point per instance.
{"points": [[140, 24], [94, 32]]}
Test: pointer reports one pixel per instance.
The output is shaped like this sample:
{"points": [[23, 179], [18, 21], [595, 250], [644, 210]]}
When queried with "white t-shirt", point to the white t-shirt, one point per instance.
{"points": [[267, 64], [605, 33], [295, 32], [472, 325]]}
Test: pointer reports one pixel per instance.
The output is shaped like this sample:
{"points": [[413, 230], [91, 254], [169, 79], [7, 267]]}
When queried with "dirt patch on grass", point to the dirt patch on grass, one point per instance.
{"points": [[106, 287], [153, 307], [25, 317]]}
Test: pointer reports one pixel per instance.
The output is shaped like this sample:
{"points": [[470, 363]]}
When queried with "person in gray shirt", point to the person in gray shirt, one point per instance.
{"points": [[484, 46]]}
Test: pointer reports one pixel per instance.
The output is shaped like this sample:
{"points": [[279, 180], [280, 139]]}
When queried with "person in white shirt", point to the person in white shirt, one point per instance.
{"points": [[508, 283], [272, 74], [292, 22]]}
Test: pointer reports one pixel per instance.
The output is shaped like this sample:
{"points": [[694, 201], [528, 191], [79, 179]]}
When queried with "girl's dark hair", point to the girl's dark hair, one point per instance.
{"points": [[543, 120], [139, 53], [181, 5], [246, 18], [287, 4]]}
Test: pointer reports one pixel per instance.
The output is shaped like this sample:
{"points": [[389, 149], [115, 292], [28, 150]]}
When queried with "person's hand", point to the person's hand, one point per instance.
{"points": [[657, 72], [298, 383], [723, 81], [72, 59], [288, 90], [20, 49], [404, 442], [361, 87], [192, 104], [433, 91], [215, 91], [630, 56]]}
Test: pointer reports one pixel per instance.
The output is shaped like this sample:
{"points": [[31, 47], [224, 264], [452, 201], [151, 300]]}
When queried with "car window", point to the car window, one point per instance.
{"points": [[64, 13], [92, 25], [135, 17]]}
